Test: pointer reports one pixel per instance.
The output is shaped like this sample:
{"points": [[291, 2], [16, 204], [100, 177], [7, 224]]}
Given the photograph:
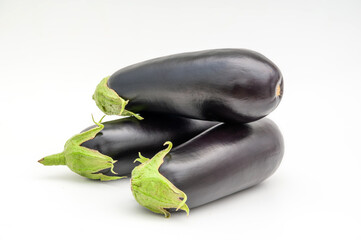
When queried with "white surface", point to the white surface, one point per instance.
{"points": [[53, 53]]}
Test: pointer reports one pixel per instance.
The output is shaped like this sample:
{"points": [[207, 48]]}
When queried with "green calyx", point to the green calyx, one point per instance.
{"points": [[84, 161], [110, 102], [152, 190]]}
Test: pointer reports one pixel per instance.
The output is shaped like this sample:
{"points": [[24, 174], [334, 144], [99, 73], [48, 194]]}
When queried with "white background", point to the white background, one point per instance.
{"points": [[53, 54]]}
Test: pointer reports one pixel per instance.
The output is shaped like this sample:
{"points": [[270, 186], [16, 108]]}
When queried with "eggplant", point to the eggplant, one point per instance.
{"points": [[221, 161], [225, 85], [107, 151]]}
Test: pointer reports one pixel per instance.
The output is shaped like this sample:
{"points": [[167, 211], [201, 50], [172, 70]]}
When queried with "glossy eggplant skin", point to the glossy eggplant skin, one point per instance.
{"points": [[124, 138], [223, 160], [225, 85]]}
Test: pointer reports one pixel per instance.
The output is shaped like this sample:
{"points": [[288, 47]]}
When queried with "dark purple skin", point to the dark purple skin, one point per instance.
{"points": [[224, 160], [225, 85], [123, 139]]}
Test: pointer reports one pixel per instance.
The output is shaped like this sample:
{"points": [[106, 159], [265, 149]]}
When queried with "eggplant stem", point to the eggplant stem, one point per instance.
{"points": [[54, 159], [84, 161]]}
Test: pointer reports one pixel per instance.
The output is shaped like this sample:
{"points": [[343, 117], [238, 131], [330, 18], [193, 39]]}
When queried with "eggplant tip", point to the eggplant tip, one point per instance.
{"points": [[278, 90]]}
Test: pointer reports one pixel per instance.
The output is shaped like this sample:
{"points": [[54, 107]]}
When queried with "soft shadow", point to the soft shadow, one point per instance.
{"points": [[61, 177], [75, 178], [136, 209], [230, 199]]}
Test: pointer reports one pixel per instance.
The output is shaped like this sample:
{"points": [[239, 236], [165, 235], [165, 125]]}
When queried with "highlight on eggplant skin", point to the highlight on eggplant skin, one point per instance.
{"points": [[225, 85], [221, 161], [106, 151]]}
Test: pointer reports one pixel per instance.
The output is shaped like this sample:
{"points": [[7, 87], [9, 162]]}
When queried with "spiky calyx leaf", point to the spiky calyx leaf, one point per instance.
{"points": [[152, 190], [110, 102]]}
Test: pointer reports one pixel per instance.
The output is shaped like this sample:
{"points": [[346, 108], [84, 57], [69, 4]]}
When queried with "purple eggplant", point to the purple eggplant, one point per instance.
{"points": [[225, 85], [220, 161], [107, 151]]}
